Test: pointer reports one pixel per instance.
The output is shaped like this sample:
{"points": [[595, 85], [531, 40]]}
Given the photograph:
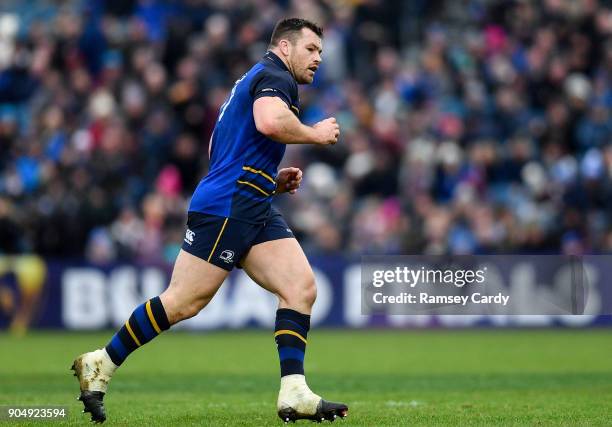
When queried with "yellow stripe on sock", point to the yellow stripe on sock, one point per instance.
{"points": [[129, 328], [217, 242], [288, 332], [260, 172], [254, 186], [151, 317]]}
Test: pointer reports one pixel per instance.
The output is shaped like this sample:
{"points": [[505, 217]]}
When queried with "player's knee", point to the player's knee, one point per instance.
{"points": [[302, 292], [309, 291], [189, 310], [178, 308]]}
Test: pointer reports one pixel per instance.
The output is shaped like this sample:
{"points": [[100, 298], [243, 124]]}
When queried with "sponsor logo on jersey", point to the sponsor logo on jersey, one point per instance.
{"points": [[189, 236]]}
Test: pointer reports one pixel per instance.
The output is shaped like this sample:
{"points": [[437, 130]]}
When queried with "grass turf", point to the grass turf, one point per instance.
{"points": [[388, 378]]}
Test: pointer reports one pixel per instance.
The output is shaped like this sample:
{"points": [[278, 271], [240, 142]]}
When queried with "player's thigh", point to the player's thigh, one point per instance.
{"points": [[280, 266], [194, 276], [193, 284]]}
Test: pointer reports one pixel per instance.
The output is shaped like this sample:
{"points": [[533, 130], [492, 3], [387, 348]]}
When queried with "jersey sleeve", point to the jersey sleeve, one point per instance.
{"points": [[273, 84]]}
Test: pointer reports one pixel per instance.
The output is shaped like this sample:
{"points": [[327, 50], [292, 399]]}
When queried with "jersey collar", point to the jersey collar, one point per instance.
{"points": [[274, 58]]}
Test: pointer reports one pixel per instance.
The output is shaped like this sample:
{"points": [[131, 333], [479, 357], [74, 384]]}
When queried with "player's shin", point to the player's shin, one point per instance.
{"points": [[146, 322], [95, 369], [291, 332], [295, 399]]}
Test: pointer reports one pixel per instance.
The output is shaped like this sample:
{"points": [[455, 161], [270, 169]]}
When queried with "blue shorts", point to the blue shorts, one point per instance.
{"points": [[225, 241]]}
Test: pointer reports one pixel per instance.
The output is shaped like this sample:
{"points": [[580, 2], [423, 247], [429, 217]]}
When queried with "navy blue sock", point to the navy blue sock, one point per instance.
{"points": [[145, 323], [290, 333]]}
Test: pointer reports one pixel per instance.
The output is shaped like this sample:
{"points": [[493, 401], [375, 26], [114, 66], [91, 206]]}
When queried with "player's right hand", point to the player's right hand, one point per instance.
{"points": [[327, 131]]}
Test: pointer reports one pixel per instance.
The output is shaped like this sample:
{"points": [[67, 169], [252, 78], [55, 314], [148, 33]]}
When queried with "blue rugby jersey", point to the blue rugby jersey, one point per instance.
{"points": [[243, 162]]}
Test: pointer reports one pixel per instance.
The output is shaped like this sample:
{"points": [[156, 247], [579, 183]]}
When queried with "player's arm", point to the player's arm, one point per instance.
{"points": [[274, 119]]}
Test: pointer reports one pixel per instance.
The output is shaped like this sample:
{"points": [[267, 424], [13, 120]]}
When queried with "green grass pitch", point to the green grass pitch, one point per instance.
{"points": [[388, 378]]}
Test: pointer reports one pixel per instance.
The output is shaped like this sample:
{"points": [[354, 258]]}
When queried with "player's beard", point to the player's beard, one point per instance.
{"points": [[302, 73], [309, 75], [306, 76]]}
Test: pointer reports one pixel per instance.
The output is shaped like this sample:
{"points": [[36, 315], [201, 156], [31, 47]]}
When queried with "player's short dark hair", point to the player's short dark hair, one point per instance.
{"points": [[288, 28]]}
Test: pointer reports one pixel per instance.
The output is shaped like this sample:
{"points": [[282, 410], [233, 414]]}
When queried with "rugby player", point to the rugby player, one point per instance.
{"points": [[231, 222]]}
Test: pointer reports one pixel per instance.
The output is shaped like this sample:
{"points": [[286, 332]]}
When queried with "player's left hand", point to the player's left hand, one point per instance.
{"points": [[288, 180]]}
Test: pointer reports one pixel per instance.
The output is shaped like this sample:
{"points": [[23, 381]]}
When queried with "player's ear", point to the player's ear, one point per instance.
{"points": [[284, 46]]}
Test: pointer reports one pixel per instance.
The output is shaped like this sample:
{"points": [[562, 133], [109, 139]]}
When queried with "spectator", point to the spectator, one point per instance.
{"points": [[484, 127]]}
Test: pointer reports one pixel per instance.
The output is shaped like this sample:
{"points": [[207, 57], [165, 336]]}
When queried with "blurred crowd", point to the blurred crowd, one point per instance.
{"points": [[468, 126]]}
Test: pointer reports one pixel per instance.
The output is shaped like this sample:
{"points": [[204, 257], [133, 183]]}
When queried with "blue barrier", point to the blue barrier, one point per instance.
{"points": [[52, 294]]}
